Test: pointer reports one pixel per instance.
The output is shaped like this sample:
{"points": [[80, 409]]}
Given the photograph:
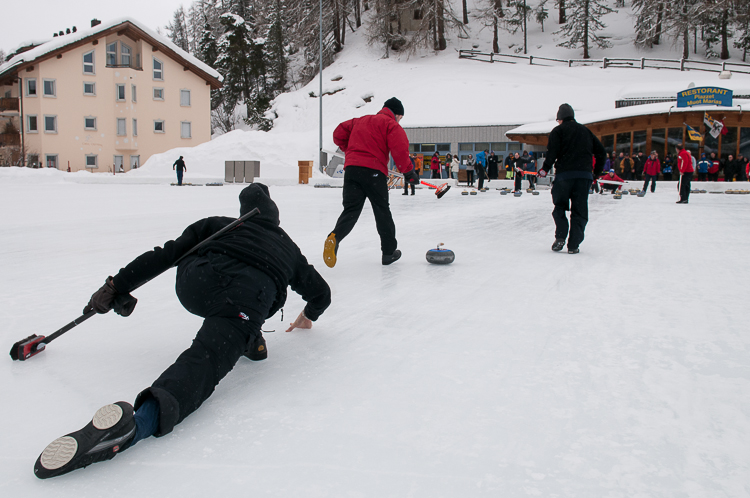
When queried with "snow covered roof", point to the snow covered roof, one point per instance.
{"points": [[543, 128], [63, 43], [664, 89]]}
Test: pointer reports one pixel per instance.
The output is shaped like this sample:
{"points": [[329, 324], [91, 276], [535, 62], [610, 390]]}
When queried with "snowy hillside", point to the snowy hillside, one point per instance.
{"points": [[437, 90]]}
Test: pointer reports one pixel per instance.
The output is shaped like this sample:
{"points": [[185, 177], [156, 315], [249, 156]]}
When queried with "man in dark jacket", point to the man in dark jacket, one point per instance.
{"points": [[570, 149], [492, 166], [179, 165], [235, 282], [366, 142]]}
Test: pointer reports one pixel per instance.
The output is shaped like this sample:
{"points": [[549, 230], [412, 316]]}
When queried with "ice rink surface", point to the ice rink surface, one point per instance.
{"points": [[622, 371]]}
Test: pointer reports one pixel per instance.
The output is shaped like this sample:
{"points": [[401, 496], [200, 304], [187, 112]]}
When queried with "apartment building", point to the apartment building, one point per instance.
{"points": [[103, 99]]}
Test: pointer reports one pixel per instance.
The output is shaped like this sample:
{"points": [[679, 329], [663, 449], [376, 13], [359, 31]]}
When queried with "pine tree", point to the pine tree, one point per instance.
{"points": [[277, 61], [517, 15], [178, 30], [584, 20], [541, 13], [649, 21], [742, 41]]}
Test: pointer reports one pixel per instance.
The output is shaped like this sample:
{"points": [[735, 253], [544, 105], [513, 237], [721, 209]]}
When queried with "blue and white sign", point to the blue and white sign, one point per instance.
{"points": [[704, 95]]}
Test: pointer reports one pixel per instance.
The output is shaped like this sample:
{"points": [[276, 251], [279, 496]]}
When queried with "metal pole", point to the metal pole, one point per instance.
{"points": [[22, 124], [320, 92]]}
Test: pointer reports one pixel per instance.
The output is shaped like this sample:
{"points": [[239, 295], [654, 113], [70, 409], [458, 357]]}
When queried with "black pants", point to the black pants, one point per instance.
{"points": [[530, 178], [702, 177], [366, 183], [470, 177], [179, 177], [652, 179], [234, 300], [667, 177], [571, 195], [517, 181], [406, 187], [713, 177], [435, 173], [685, 186], [480, 177]]}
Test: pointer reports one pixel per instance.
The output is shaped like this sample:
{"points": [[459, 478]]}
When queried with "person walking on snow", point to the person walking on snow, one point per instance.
{"points": [[685, 166], [571, 148], [651, 170], [367, 142], [235, 282], [179, 165]]}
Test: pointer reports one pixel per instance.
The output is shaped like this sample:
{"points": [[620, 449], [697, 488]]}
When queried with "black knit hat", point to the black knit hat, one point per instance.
{"points": [[565, 111], [395, 105]]}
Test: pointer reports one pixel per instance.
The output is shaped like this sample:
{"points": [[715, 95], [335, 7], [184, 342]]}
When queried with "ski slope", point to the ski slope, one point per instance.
{"points": [[618, 372]]}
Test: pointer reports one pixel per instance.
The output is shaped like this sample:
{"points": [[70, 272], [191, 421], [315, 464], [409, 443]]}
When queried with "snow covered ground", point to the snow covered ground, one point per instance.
{"points": [[619, 372]]}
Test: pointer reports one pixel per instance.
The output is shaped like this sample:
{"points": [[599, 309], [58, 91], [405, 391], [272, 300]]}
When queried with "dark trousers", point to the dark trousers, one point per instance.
{"points": [[179, 177], [517, 182], [702, 177], [435, 173], [470, 177], [480, 177], [531, 179], [667, 177], [713, 177], [234, 300], [652, 179], [362, 184], [406, 187], [571, 195], [685, 186]]}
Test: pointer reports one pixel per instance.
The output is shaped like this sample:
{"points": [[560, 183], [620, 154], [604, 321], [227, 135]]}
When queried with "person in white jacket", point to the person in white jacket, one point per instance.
{"points": [[455, 166]]}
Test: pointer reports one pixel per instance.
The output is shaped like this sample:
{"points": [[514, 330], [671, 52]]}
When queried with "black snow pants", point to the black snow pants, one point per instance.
{"points": [[571, 195], [366, 183], [234, 300], [685, 186]]}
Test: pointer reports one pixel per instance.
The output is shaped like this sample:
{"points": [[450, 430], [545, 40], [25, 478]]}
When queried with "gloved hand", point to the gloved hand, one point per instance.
{"points": [[542, 173], [107, 298], [412, 177]]}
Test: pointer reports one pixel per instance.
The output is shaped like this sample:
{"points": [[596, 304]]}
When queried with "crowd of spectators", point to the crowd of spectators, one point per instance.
{"points": [[708, 167]]}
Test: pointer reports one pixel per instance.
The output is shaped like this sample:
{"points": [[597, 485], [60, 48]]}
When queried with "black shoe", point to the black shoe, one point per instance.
{"points": [[558, 245], [681, 202], [257, 349], [405, 193], [392, 258], [573, 251], [110, 431]]}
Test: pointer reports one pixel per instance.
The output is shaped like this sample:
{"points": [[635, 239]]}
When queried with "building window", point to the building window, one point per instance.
{"points": [[120, 92], [121, 130], [622, 142], [158, 70], [51, 160], [32, 125], [639, 142], [135, 162], [185, 129], [185, 98], [118, 164], [132, 94], [126, 55], [135, 127], [112, 54], [418, 14], [31, 87], [50, 124], [158, 94], [92, 161], [50, 88], [158, 126], [88, 63], [89, 123], [89, 88]]}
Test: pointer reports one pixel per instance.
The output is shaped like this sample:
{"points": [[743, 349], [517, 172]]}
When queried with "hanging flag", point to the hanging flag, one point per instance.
{"points": [[693, 134], [715, 127], [724, 129]]}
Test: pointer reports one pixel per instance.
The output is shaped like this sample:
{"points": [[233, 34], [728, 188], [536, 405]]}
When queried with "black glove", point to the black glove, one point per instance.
{"points": [[412, 177], [107, 298]]}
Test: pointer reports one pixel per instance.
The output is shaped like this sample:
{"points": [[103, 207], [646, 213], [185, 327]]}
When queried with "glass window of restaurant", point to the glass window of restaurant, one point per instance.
{"points": [[745, 142], [674, 137], [623, 143], [608, 141], [729, 143], [639, 142], [658, 141]]}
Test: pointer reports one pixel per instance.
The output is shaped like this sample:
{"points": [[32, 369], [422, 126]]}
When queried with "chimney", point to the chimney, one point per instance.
{"points": [[95, 22]]}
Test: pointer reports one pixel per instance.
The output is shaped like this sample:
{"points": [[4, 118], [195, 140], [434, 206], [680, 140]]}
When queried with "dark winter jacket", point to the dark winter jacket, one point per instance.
{"points": [[179, 165], [259, 242], [570, 149], [638, 164], [626, 166], [368, 140], [703, 165], [492, 162], [509, 162]]}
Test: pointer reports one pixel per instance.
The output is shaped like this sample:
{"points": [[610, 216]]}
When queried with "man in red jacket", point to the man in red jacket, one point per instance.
{"points": [[367, 141], [685, 165]]}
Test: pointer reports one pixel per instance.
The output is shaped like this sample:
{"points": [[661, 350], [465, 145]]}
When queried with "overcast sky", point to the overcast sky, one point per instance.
{"points": [[22, 21]]}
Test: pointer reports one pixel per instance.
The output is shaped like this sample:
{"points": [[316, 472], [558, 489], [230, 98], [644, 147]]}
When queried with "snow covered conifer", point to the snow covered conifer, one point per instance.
{"points": [[584, 19]]}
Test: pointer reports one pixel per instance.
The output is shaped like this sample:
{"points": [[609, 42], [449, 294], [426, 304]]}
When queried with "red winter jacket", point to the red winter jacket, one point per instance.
{"points": [[435, 163], [714, 168], [368, 140], [685, 162], [652, 167], [613, 178]]}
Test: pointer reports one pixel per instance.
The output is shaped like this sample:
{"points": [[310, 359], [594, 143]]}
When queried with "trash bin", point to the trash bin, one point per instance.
{"points": [[305, 171]]}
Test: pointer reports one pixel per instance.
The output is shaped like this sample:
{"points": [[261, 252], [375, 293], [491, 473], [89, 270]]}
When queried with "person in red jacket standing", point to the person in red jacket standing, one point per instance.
{"points": [[685, 166], [651, 171], [367, 142], [713, 170]]}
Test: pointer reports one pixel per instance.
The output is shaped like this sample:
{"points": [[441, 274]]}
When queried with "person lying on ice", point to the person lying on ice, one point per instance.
{"points": [[610, 176], [235, 282]]}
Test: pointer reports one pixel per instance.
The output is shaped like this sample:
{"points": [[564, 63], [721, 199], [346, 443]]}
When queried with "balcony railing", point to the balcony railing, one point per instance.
{"points": [[8, 104], [10, 139]]}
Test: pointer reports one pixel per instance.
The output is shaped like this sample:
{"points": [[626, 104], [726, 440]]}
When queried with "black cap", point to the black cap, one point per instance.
{"points": [[565, 111], [395, 105]]}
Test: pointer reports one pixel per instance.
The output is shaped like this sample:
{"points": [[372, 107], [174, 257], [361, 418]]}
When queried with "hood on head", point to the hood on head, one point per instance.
{"points": [[256, 195], [565, 112]]}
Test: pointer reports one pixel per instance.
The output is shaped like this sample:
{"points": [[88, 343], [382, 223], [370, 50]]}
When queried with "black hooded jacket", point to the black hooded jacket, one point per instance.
{"points": [[259, 242], [571, 145]]}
